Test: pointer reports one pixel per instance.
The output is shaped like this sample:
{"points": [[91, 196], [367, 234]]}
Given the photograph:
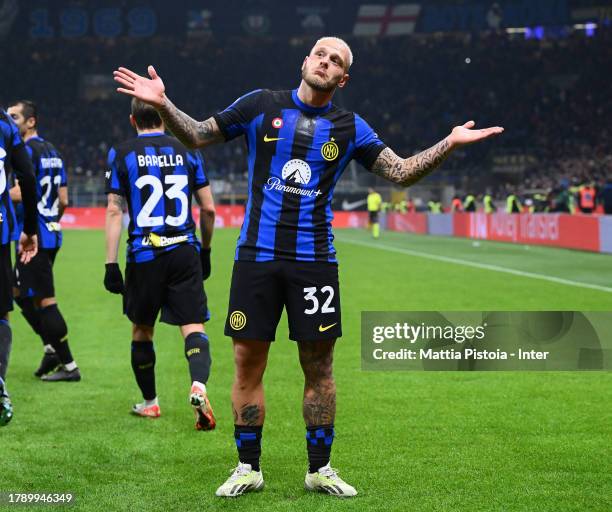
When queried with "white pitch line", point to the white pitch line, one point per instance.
{"points": [[485, 266]]}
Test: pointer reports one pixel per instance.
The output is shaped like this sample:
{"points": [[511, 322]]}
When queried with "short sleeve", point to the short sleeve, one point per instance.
{"points": [[197, 163], [62, 172], [234, 120], [10, 132], [63, 175], [367, 144], [113, 183]]}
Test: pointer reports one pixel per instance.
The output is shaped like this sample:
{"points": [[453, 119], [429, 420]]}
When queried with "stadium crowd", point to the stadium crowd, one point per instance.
{"points": [[531, 87]]}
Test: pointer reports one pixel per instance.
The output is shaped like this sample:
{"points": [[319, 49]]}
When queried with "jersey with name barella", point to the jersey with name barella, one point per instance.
{"points": [[157, 176]]}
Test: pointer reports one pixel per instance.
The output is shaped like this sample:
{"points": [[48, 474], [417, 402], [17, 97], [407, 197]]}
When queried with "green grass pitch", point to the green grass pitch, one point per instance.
{"points": [[408, 441]]}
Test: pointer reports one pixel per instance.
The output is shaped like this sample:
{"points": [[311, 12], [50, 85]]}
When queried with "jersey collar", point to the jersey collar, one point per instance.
{"points": [[151, 134], [308, 108]]}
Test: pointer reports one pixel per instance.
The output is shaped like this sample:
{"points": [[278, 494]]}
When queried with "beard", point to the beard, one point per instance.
{"points": [[318, 83]]}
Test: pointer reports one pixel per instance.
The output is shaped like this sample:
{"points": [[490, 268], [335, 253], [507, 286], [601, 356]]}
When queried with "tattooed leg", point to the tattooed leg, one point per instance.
{"points": [[319, 406], [248, 402]]}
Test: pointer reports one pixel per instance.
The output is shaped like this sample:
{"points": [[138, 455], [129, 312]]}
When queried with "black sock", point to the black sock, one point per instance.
{"points": [[319, 441], [143, 364], [30, 312], [6, 340], [248, 442], [55, 332], [197, 352]]}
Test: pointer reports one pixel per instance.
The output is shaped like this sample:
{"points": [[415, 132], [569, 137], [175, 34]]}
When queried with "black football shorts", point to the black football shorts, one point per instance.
{"points": [[373, 217], [309, 290], [6, 280], [172, 283], [36, 278]]}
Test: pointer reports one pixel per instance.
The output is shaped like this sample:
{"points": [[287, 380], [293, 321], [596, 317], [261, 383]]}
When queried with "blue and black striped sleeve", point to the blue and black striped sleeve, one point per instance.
{"points": [[22, 164], [63, 174], [199, 175], [113, 182], [367, 144], [233, 121]]}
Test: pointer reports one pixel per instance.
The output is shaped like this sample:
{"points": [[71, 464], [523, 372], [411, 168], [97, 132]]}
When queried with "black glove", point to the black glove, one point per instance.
{"points": [[113, 280], [205, 259]]}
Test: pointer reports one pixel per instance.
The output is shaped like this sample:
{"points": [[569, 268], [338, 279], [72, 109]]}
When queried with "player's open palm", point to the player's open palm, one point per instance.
{"points": [[465, 134], [150, 90]]}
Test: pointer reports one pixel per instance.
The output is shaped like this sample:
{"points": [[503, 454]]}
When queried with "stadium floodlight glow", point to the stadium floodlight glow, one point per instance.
{"points": [[589, 28], [534, 33], [516, 30]]}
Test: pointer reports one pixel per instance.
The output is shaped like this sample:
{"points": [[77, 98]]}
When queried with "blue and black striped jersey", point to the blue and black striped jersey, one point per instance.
{"points": [[296, 154], [50, 176], [9, 140], [158, 176]]}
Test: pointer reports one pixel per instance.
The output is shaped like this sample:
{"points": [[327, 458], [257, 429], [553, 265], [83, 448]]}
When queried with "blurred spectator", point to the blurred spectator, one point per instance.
{"points": [[551, 96]]}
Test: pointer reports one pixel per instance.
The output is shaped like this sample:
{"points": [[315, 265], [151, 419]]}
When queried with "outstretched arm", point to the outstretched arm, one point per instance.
{"points": [[407, 171], [192, 133]]}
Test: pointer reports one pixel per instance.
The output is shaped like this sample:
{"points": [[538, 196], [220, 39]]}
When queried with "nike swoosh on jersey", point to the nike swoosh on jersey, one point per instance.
{"points": [[272, 139], [327, 327]]}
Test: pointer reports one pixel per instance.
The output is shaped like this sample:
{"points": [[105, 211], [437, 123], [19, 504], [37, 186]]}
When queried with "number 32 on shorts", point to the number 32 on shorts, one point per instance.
{"points": [[326, 293]]}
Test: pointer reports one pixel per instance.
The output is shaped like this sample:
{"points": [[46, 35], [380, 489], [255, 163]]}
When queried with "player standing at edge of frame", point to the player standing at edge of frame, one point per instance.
{"points": [[157, 176], [34, 284], [14, 155], [299, 143]]}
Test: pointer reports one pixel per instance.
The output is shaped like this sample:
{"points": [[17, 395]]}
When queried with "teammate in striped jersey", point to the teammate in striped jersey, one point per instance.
{"points": [[13, 155], [299, 143], [156, 176], [35, 289]]}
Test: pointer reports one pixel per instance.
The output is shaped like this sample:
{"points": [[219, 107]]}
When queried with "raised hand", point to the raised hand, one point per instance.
{"points": [[150, 90], [462, 135]]}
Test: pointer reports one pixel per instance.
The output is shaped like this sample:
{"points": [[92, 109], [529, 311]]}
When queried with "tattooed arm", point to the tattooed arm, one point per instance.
{"points": [[407, 171], [192, 133]]}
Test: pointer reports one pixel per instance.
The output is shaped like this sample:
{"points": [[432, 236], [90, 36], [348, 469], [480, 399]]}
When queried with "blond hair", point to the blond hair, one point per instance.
{"points": [[341, 42]]}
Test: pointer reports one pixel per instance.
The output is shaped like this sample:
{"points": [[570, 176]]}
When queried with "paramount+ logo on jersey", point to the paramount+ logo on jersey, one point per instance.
{"points": [[296, 175]]}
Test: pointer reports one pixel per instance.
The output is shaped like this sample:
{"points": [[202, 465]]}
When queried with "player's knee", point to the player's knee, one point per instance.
{"points": [[317, 361], [53, 323], [189, 329], [250, 357], [142, 332]]}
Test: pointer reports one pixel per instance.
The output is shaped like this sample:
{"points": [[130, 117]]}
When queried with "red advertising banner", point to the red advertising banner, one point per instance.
{"points": [[93, 218], [350, 220], [227, 217], [83, 218], [558, 230], [407, 222]]}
